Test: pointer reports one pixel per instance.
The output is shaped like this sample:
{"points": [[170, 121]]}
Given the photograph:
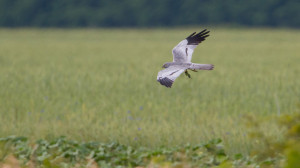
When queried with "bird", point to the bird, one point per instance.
{"points": [[182, 56]]}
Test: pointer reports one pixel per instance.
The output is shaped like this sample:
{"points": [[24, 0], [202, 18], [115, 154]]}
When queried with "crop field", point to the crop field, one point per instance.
{"points": [[100, 85]]}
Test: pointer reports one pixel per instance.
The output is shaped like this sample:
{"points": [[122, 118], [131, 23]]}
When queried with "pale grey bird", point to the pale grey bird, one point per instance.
{"points": [[182, 56]]}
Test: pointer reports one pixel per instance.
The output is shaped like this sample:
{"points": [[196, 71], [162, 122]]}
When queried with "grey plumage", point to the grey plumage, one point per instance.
{"points": [[182, 56]]}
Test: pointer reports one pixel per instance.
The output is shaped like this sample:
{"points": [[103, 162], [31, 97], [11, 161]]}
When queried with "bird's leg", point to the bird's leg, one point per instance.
{"points": [[187, 74], [194, 70]]}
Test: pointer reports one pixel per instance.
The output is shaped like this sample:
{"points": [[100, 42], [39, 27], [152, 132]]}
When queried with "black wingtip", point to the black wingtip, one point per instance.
{"points": [[166, 82], [205, 30], [198, 38], [191, 35]]}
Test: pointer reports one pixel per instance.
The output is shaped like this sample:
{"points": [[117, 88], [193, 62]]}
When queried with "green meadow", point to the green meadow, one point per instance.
{"points": [[100, 85]]}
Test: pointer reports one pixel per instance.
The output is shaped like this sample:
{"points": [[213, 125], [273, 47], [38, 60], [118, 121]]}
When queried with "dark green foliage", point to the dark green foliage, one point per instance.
{"points": [[61, 152], [113, 154], [67, 153], [144, 13]]}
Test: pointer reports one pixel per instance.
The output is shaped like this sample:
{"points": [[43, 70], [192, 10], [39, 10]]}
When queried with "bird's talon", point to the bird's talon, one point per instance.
{"points": [[187, 74]]}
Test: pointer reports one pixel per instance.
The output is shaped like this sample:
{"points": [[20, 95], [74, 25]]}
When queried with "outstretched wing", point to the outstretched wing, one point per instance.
{"points": [[167, 76], [184, 50]]}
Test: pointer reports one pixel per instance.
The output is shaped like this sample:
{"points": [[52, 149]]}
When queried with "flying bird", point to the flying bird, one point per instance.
{"points": [[182, 56]]}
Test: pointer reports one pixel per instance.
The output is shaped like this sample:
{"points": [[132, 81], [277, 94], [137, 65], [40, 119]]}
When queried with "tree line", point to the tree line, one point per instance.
{"points": [[148, 13]]}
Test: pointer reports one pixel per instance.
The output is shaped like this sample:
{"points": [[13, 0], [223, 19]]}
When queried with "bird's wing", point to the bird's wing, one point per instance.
{"points": [[167, 76], [184, 50]]}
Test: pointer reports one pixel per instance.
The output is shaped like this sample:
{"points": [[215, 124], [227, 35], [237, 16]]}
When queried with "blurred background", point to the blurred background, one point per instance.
{"points": [[86, 69], [148, 13]]}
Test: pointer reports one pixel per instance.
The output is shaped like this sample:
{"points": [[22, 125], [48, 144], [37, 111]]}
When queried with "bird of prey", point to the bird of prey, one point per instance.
{"points": [[182, 56]]}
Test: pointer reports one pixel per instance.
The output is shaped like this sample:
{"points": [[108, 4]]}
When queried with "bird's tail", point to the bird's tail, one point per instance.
{"points": [[202, 66]]}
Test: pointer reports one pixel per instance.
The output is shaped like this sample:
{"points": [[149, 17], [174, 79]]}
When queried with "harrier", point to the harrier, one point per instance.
{"points": [[182, 56]]}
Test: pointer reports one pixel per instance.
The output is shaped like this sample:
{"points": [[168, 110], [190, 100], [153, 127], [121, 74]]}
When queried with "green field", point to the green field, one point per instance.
{"points": [[100, 85]]}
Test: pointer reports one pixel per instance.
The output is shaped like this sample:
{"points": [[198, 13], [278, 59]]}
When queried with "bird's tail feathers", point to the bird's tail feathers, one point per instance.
{"points": [[202, 66]]}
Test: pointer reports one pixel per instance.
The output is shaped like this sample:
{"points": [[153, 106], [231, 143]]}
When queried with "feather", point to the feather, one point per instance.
{"points": [[183, 51]]}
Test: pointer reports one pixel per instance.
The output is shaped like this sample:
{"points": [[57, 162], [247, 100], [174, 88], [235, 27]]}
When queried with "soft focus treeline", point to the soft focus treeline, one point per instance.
{"points": [[148, 13]]}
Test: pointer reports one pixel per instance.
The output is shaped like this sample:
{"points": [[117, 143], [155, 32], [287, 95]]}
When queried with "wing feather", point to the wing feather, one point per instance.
{"points": [[167, 76], [198, 38], [184, 50]]}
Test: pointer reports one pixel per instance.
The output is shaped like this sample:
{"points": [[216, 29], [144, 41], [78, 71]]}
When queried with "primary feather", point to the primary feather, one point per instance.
{"points": [[167, 76]]}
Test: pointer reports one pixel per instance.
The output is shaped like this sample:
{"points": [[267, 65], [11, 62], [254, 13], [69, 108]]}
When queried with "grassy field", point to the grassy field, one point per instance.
{"points": [[100, 85]]}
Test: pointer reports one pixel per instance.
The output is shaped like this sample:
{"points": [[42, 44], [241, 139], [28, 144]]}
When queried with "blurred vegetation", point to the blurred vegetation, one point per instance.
{"points": [[147, 13], [60, 152]]}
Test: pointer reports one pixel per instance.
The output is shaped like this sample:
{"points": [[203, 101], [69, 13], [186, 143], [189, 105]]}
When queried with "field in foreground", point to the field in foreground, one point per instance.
{"points": [[100, 85], [17, 152]]}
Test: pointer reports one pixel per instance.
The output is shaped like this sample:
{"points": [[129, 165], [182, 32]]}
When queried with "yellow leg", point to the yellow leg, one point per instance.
{"points": [[187, 74]]}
